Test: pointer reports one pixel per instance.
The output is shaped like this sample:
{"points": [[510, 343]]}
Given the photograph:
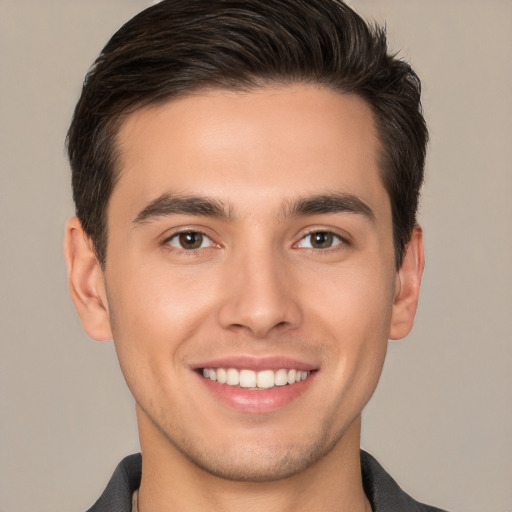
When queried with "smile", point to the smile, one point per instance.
{"points": [[263, 379]]}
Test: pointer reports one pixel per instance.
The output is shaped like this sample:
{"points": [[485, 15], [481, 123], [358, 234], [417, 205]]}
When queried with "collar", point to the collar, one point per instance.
{"points": [[382, 491]]}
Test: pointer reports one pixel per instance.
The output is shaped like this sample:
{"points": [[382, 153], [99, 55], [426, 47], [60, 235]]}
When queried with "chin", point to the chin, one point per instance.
{"points": [[258, 467], [259, 462]]}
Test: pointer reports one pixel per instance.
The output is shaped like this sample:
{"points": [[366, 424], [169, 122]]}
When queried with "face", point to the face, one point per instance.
{"points": [[250, 281]]}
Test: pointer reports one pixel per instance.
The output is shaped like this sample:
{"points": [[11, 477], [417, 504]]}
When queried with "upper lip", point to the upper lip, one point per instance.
{"points": [[256, 363]]}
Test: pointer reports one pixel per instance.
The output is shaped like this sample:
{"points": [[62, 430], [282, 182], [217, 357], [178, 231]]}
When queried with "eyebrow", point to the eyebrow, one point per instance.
{"points": [[168, 204], [322, 204], [330, 204]]}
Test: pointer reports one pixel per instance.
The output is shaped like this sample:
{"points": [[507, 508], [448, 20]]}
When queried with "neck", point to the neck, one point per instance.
{"points": [[172, 482]]}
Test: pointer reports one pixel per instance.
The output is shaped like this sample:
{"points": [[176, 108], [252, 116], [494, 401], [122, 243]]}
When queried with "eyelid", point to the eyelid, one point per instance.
{"points": [[176, 232], [343, 239]]}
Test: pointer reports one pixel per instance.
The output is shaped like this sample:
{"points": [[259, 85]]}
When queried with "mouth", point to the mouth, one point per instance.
{"points": [[255, 380], [258, 385]]}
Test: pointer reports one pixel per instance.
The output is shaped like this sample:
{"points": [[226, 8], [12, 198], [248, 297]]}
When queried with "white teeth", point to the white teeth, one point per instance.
{"points": [[264, 379], [281, 378], [233, 377], [222, 375], [247, 379]]}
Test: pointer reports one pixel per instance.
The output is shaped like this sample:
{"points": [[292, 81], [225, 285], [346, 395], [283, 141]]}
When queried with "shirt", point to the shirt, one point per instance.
{"points": [[382, 491]]}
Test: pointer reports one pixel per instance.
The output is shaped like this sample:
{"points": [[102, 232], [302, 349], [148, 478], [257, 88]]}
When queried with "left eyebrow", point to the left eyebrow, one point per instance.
{"points": [[168, 204], [329, 203]]}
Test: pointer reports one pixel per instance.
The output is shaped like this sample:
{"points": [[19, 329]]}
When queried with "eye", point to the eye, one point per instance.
{"points": [[189, 240], [320, 240]]}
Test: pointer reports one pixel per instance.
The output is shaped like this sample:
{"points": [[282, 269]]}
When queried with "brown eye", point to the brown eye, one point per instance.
{"points": [[189, 240], [320, 240]]}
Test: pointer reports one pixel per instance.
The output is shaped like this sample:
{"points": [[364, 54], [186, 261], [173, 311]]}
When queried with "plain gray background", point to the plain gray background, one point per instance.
{"points": [[441, 420]]}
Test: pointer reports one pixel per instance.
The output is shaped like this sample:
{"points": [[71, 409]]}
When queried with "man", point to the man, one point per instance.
{"points": [[246, 178]]}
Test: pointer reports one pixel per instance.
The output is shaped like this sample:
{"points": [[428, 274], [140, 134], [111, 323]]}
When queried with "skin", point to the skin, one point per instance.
{"points": [[257, 287]]}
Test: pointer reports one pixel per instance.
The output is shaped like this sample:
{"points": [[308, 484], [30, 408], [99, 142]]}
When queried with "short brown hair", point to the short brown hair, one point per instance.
{"points": [[179, 46]]}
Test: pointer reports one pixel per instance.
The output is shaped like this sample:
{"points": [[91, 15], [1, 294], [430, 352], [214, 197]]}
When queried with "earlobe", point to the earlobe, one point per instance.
{"points": [[86, 282], [408, 287]]}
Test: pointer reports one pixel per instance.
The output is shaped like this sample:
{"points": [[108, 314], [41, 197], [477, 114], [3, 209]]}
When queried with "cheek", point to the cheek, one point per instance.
{"points": [[356, 302], [158, 296], [153, 314], [355, 309]]}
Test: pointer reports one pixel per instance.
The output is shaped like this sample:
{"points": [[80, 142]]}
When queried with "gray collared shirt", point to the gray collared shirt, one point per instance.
{"points": [[382, 491]]}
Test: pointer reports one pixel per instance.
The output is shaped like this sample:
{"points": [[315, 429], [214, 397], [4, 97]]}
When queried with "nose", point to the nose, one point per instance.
{"points": [[260, 296]]}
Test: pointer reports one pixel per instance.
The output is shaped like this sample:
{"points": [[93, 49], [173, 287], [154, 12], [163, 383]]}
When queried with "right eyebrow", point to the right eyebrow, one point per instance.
{"points": [[168, 204], [330, 203]]}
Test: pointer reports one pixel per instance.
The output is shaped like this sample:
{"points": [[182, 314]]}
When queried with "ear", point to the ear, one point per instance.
{"points": [[408, 280], [86, 282]]}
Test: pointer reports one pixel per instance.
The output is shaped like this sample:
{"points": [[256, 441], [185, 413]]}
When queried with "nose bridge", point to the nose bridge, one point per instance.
{"points": [[259, 295]]}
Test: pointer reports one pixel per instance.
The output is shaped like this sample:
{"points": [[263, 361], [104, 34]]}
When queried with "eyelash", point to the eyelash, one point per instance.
{"points": [[177, 235], [341, 241], [334, 237]]}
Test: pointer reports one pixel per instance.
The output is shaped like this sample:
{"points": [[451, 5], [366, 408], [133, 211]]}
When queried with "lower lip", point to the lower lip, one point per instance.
{"points": [[257, 400]]}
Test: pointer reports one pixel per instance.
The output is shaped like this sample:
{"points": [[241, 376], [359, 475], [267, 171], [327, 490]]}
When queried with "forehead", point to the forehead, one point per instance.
{"points": [[272, 143]]}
